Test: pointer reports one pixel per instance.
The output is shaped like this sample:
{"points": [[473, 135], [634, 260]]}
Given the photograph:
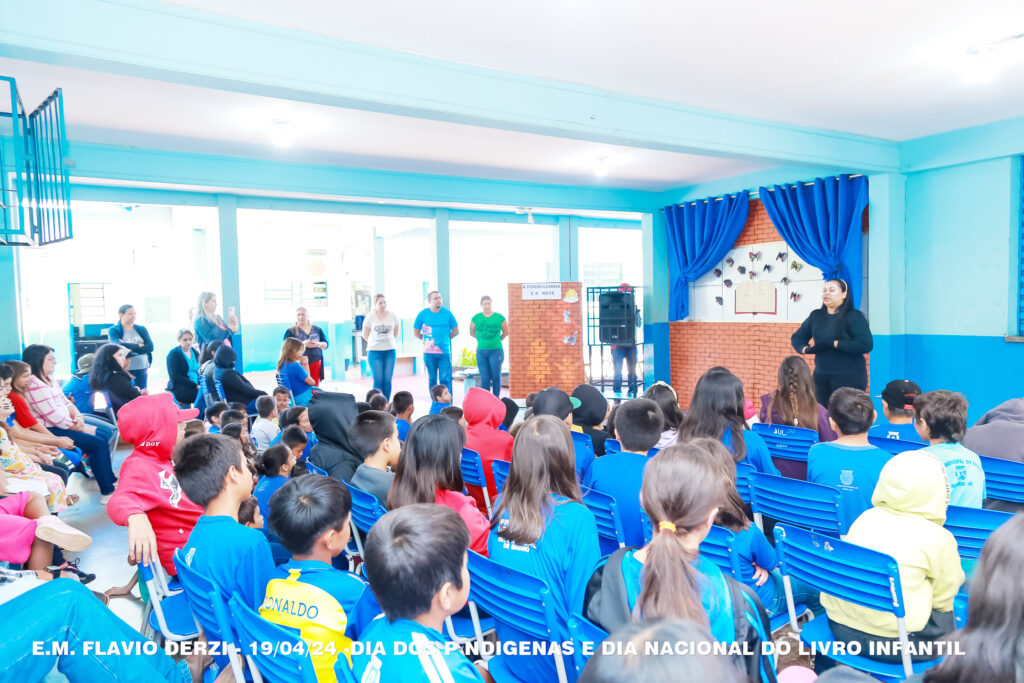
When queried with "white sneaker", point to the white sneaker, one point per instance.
{"points": [[105, 499], [61, 534]]}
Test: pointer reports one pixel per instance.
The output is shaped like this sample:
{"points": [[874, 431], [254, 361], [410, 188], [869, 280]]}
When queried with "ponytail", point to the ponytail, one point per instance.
{"points": [[669, 589], [272, 460]]}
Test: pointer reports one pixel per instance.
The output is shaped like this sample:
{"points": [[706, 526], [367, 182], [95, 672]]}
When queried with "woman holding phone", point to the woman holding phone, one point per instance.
{"points": [[314, 341], [210, 326]]}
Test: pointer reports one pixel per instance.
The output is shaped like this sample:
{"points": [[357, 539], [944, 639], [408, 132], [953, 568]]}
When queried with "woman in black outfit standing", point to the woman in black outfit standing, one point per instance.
{"points": [[838, 335]]}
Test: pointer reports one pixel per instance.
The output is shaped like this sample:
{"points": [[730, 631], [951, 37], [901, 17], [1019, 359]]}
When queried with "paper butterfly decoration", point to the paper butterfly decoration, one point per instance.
{"points": [[742, 270], [727, 283], [796, 265], [729, 261], [717, 272], [785, 280], [781, 256], [795, 296], [767, 267], [755, 256], [719, 300]]}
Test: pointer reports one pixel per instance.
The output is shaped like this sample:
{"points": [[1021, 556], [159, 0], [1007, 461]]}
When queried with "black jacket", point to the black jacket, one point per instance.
{"points": [[331, 414], [850, 330], [236, 387], [115, 333], [184, 389], [120, 389]]}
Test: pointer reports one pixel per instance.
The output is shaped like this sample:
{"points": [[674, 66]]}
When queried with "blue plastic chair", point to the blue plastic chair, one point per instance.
{"points": [[743, 472], [519, 603], [500, 470], [800, 503], [786, 442], [170, 614], [849, 572], [366, 510], [220, 390], [210, 611], [894, 446], [960, 610], [204, 387], [288, 659], [581, 439], [971, 528], [279, 377], [612, 446], [313, 469], [1004, 479], [584, 632], [609, 522], [473, 474]]}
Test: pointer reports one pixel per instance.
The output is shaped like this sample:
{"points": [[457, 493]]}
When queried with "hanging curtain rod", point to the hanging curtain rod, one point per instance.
{"points": [[756, 194]]}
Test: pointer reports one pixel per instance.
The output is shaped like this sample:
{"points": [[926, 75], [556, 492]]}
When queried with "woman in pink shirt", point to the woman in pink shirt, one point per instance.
{"points": [[429, 472]]}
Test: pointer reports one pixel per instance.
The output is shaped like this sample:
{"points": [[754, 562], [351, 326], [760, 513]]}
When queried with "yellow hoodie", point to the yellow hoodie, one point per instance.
{"points": [[906, 523]]}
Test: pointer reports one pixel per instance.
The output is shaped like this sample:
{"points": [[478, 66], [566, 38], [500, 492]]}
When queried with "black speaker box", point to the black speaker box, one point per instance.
{"points": [[617, 318]]}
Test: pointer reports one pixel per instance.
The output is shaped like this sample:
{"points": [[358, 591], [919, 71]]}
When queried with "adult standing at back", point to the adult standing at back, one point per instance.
{"points": [[436, 326], [136, 339], [489, 329], [380, 329], [838, 336], [314, 341], [210, 326]]}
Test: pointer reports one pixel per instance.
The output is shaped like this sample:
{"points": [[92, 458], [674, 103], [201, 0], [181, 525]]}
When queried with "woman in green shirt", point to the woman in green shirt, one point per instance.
{"points": [[489, 329]]}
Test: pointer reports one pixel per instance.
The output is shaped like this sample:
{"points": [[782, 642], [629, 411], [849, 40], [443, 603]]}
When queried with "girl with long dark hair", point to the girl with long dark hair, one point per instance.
{"points": [[136, 339], [429, 472], [838, 335], [293, 368], [716, 412], [794, 402], [665, 396], [542, 528], [110, 374]]}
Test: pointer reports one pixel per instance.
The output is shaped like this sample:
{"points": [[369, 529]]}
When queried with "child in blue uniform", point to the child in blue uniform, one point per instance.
{"points": [[402, 407], [941, 421], [213, 472], [898, 408], [416, 563], [541, 528], [440, 398]]}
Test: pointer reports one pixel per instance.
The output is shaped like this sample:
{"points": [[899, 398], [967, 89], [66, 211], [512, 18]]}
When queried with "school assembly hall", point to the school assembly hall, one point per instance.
{"points": [[551, 341]]}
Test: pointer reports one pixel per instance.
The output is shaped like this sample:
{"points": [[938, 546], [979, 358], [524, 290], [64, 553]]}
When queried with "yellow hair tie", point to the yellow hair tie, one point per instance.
{"points": [[667, 526]]}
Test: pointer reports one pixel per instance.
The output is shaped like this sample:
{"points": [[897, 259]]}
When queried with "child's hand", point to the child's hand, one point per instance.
{"points": [[760, 575], [141, 539]]}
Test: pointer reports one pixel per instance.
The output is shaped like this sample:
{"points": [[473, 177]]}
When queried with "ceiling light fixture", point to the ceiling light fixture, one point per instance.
{"points": [[601, 170], [281, 133], [984, 62]]}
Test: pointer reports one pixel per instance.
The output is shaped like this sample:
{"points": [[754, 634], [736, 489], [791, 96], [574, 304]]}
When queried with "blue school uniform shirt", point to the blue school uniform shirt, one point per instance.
{"points": [[78, 390], [963, 469], [620, 475], [757, 451], [311, 441], [904, 432], [436, 330], [265, 488], [294, 376], [236, 558], [215, 429], [436, 407], [403, 428], [564, 558], [424, 658], [854, 470], [714, 594], [351, 592], [750, 545]]}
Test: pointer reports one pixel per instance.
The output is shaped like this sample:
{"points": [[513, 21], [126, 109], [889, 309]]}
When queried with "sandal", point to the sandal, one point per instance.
{"points": [[71, 499], [72, 568]]}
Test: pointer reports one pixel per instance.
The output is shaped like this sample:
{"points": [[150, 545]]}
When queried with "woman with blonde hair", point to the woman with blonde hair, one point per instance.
{"points": [[210, 326]]}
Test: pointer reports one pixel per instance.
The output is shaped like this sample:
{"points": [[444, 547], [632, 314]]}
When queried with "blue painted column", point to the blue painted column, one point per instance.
{"points": [[568, 249], [230, 287], [887, 254], [10, 305], [379, 265], [442, 254], [657, 343]]}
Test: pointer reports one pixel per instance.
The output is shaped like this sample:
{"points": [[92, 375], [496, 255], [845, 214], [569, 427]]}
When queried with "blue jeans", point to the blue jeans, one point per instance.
{"points": [[64, 611], [802, 593], [382, 366], [620, 354], [104, 428], [141, 378], [489, 363], [96, 448], [439, 369]]}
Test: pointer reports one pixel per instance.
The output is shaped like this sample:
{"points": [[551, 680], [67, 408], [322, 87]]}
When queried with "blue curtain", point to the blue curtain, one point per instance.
{"points": [[821, 222], [699, 235]]}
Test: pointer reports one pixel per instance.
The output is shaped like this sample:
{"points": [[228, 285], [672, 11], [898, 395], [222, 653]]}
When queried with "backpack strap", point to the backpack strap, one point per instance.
{"points": [[753, 627], [605, 601]]}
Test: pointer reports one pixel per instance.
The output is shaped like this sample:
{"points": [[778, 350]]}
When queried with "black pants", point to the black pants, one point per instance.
{"points": [[939, 624], [56, 469], [824, 384]]}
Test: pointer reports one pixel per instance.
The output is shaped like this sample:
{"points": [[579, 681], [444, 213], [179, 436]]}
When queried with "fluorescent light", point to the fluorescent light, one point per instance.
{"points": [[601, 170], [281, 133]]}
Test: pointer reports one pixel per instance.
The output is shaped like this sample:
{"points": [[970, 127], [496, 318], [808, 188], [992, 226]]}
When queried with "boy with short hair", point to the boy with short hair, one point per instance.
{"points": [[213, 473], [283, 397], [295, 439], [402, 406], [264, 429], [237, 406], [638, 424], [310, 515], [416, 564], [898, 408], [214, 414], [850, 463], [374, 436], [455, 413], [231, 415], [940, 418], [440, 398]]}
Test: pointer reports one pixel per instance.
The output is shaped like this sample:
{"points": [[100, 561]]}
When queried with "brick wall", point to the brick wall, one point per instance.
{"points": [[752, 351], [539, 357]]}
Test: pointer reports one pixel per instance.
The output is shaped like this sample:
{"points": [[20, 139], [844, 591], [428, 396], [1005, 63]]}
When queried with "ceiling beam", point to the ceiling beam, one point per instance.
{"points": [[152, 40]]}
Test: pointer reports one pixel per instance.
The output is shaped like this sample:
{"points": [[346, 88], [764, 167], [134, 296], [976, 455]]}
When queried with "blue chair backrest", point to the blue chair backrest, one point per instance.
{"points": [[581, 439], [843, 570], [786, 442], [609, 523], [612, 446], [472, 468], [500, 470], [205, 599], [366, 509], [801, 503], [894, 446], [717, 547], [287, 660], [743, 472], [313, 469], [971, 527], [582, 630], [960, 610], [516, 600], [1004, 479], [220, 390]]}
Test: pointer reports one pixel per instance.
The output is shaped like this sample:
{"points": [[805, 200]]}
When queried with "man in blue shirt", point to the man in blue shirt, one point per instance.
{"points": [[898, 408], [436, 326], [212, 471]]}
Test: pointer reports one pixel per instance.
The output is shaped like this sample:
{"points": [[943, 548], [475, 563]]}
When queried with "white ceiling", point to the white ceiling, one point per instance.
{"points": [[875, 67], [113, 109]]}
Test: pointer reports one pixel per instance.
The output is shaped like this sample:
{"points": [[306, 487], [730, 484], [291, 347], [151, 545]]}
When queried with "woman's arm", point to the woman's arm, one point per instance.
{"points": [[53, 412], [472, 329], [121, 386], [860, 341], [802, 336], [323, 339], [366, 328], [504, 330], [147, 341], [398, 326]]}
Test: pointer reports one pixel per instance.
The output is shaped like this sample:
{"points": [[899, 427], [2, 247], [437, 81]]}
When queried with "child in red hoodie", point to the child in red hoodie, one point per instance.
{"points": [[148, 499], [484, 413]]}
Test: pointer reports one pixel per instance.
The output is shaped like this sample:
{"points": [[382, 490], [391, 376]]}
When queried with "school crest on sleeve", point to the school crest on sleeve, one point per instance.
{"points": [[846, 477], [170, 482]]}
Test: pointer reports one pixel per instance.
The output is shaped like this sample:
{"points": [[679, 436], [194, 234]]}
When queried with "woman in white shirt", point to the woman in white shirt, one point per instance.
{"points": [[380, 328]]}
